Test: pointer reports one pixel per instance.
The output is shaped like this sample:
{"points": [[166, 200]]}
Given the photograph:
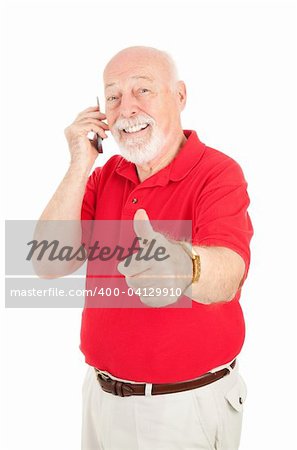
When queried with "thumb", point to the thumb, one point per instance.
{"points": [[143, 227]]}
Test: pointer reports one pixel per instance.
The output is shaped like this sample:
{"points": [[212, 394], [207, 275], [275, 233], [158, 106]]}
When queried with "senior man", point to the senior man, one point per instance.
{"points": [[160, 377]]}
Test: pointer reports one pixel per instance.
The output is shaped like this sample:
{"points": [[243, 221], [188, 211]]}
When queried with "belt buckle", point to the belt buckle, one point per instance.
{"points": [[102, 375], [117, 388]]}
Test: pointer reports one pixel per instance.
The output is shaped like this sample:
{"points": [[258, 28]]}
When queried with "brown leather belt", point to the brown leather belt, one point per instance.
{"points": [[123, 389]]}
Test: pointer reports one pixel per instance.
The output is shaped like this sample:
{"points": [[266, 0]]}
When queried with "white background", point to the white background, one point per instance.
{"points": [[239, 62]]}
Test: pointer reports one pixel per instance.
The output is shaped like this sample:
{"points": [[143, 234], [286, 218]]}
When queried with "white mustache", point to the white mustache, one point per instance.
{"points": [[141, 119]]}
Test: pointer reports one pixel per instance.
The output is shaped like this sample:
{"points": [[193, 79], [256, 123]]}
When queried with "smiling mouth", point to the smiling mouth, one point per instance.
{"points": [[136, 129]]}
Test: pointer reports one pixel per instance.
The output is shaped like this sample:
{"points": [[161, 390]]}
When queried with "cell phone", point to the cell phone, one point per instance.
{"points": [[99, 138]]}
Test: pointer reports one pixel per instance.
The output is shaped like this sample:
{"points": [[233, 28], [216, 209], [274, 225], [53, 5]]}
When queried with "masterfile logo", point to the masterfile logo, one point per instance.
{"points": [[76, 263]]}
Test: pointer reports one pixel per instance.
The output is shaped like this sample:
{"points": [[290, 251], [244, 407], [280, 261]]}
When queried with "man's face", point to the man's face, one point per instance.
{"points": [[142, 108]]}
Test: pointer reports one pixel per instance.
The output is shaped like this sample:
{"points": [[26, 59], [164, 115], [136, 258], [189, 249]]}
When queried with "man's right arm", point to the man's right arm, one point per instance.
{"points": [[66, 203]]}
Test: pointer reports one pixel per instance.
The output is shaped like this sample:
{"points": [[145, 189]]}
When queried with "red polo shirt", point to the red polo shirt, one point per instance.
{"points": [[166, 345]]}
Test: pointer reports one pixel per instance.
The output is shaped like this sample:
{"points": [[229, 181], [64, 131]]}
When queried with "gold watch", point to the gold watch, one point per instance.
{"points": [[195, 260]]}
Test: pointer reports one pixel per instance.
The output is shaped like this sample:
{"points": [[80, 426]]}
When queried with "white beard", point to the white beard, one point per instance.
{"points": [[140, 150]]}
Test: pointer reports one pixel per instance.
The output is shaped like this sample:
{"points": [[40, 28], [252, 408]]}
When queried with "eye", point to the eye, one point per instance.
{"points": [[143, 90], [111, 98]]}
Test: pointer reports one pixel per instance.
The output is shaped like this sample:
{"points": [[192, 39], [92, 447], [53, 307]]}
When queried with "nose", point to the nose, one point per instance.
{"points": [[128, 106]]}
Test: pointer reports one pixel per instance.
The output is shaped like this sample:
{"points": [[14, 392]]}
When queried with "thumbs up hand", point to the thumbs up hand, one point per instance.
{"points": [[161, 270]]}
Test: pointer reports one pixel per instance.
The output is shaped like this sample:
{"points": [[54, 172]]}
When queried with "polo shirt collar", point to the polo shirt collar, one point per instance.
{"points": [[188, 156]]}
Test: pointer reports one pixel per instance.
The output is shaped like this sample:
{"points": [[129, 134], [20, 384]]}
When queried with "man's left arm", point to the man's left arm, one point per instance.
{"points": [[221, 270], [221, 234], [221, 274]]}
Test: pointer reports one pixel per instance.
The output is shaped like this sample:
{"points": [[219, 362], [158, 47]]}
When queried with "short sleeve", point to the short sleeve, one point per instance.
{"points": [[88, 208], [221, 218], [90, 196]]}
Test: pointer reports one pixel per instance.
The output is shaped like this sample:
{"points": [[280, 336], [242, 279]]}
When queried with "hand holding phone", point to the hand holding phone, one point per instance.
{"points": [[95, 137], [84, 135]]}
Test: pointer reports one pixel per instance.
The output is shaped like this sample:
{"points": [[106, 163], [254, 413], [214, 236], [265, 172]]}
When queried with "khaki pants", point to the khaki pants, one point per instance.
{"points": [[207, 418]]}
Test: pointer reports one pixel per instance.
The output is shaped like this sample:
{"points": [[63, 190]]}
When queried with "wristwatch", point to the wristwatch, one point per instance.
{"points": [[195, 260]]}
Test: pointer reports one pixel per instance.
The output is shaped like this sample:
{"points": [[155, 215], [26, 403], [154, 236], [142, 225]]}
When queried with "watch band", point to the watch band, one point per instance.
{"points": [[195, 260]]}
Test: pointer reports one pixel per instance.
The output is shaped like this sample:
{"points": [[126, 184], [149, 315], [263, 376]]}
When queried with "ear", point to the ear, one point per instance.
{"points": [[182, 94]]}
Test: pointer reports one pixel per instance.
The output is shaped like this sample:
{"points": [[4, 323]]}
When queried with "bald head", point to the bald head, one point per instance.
{"points": [[159, 62]]}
